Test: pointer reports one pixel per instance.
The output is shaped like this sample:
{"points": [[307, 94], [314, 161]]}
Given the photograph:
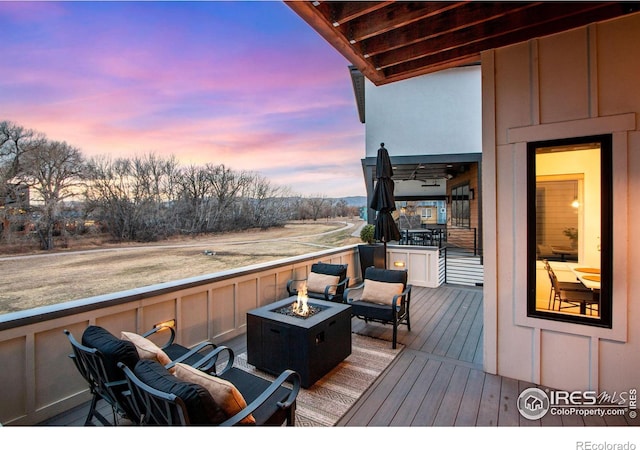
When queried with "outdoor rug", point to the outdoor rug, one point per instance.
{"points": [[322, 404]]}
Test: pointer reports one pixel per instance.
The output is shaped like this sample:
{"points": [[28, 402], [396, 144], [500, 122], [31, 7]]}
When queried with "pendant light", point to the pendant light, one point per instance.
{"points": [[575, 203]]}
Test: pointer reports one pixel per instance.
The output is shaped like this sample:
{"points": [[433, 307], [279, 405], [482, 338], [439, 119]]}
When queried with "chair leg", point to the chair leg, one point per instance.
{"points": [[92, 408], [395, 334], [93, 412], [291, 416]]}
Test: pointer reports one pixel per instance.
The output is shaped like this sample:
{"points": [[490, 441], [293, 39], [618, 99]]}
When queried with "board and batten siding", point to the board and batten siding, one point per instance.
{"points": [[577, 83]]}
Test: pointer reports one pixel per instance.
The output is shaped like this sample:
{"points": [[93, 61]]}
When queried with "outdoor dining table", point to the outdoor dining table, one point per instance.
{"points": [[421, 236]]}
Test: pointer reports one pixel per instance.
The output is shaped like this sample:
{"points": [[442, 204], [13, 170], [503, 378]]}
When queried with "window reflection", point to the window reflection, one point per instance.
{"points": [[566, 232]]}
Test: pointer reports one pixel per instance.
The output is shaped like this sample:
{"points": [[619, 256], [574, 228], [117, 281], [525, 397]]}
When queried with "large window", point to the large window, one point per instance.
{"points": [[569, 236], [460, 207]]}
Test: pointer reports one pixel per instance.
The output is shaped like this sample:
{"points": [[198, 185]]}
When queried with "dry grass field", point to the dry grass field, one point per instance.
{"points": [[94, 268]]}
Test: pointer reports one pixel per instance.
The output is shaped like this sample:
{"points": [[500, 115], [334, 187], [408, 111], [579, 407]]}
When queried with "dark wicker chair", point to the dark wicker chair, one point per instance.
{"points": [[382, 303], [160, 398], [96, 359], [332, 291]]}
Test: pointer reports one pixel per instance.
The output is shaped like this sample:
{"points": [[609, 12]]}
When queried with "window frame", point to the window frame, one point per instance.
{"points": [[458, 200], [606, 231]]}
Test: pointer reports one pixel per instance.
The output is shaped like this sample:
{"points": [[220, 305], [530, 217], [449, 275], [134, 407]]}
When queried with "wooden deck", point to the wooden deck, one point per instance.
{"points": [[440, 371]]}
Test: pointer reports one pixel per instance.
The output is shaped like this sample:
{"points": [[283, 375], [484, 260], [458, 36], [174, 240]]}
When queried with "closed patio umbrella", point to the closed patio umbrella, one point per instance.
{"points": [[384, 202]]}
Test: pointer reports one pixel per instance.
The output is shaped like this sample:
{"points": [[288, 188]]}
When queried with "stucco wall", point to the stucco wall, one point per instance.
{"points": [[428, 115], [578, 83]]}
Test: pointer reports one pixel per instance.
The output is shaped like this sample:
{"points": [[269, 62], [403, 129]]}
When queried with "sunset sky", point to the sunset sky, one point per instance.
{"points": [[247, 84]]}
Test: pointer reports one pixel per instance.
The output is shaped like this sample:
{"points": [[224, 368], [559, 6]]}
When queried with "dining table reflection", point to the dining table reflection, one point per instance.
{"points": [[590, 278]]}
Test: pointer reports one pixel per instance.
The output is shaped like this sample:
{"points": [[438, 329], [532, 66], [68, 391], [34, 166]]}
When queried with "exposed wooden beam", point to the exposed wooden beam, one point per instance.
{"points": [[342, 12], [390, 41], [491, 30], [442, 24], [473, 49], [397, 15]]}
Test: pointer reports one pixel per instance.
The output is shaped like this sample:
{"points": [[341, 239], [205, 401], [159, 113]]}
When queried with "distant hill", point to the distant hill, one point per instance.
{"points": [[355, 201]]}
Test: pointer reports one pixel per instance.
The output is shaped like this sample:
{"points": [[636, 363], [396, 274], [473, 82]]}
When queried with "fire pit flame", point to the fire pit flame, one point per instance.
{"points": [[300, 307]]}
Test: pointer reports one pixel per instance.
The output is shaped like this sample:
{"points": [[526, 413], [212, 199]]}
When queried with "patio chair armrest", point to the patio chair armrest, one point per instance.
{"points": [[404, 295], [115, 384], [154, 330], [344, 282], [192, 351], [208, 362], [290, 284], [351, 289], [287, 376]]}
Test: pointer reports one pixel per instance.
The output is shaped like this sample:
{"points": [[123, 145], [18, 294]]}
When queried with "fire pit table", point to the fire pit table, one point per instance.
{"points": [[312, 345]]}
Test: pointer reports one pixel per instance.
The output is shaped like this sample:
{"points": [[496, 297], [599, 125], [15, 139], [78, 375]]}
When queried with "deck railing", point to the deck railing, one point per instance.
{"points": [[39, 381]]}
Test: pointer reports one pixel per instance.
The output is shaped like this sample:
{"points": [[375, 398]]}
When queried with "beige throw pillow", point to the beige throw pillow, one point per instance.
{"points": [[146, 348], [225, 394], [317, 282], [381, 292]]}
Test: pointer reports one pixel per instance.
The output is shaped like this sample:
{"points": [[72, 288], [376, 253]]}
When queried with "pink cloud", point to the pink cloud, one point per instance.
{"points": [[119, 89]]}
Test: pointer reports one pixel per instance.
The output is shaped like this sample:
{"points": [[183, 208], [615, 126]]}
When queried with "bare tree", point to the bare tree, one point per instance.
{"points": [[152, 180], [317, 204], [341, 209], [195, 199], [141, 198], [227, 187], [15, 140], [265, 204], [109, 195], [136, 198], [14, 197], [54, 170]]}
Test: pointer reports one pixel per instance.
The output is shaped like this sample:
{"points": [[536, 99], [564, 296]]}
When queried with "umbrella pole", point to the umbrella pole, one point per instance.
{"points": [[385, 253]]}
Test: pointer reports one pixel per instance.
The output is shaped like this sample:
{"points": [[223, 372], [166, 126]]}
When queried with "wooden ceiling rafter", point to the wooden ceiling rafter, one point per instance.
{"points": [[439, 26], [472, 48], [391, 41], [398, 15], [343, 12]]}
